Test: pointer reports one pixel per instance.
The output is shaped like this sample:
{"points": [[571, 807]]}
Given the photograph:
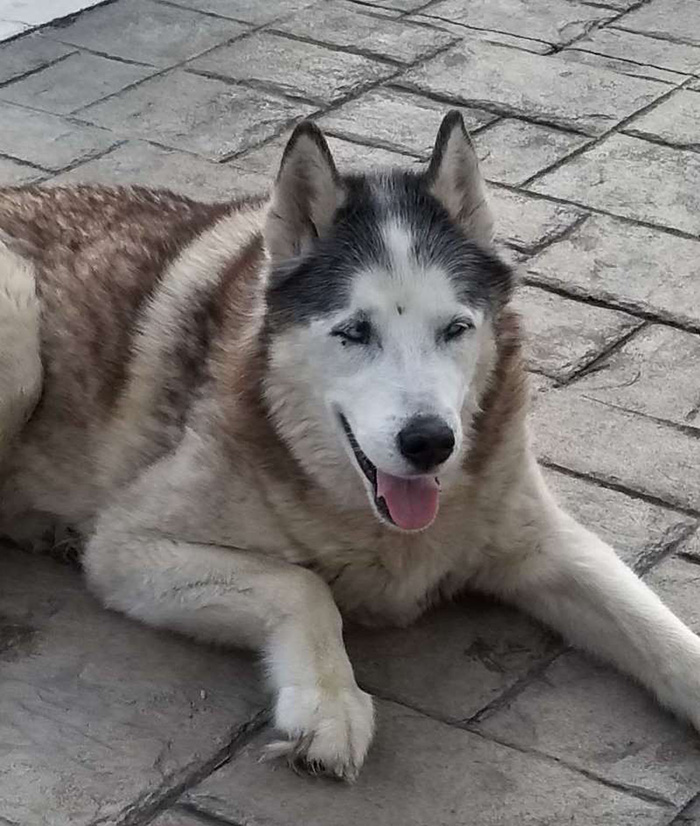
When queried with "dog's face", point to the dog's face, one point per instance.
{"points": [[379, 322]]}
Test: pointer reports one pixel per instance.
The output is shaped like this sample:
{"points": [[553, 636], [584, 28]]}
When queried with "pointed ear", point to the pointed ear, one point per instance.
{"points": [[306, 196], [454, 178]]}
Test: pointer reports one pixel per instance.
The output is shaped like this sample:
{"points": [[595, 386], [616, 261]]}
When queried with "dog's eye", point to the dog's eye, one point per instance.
{"points": [[357, 332], [457, 329]]}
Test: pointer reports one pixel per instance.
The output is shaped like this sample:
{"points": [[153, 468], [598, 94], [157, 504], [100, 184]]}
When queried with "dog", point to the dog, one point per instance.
{"points": [[267, 414]]}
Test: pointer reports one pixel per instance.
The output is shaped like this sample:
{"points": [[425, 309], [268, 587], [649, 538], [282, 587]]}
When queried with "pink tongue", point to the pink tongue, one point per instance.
{"points": [[412, 503]]}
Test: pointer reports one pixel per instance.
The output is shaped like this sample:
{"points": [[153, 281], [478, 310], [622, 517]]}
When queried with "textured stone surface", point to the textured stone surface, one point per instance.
{"points": [[423, 772], [38, 12], [675, 120], [563, 336], [638, 530], [635, 267], [669, 19], [594, 718], [97, 711], [198, 114], [342, 24], [396, 120], [137, 162], [526, 223], [462, 31], [543, 88], [293, 67], [615, 446], [625, 67], [15, 174], [649, 51], [634, 178], [48, 140], [511, 151], [77, 81], [179, 817], [636, 376], [10, 28], [555, 21], [691, 548], [249, 11], [148, 32], [29, 54]]}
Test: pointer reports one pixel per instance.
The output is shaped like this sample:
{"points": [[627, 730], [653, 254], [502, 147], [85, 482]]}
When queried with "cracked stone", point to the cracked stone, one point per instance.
{"points": [[140, 163], [47, 140], [633, 178], [670, 19], [676, 120], [197, 114], [249, 11], [455, 777], [638, 268], [636, 377], [594, 718], [77, 81], [638, 530], [462, 31], [642, 50], [542, 88], [28, 54], [148, 32], [408, 123], [97, 711], [293, 67], [553, 21], [625, 67], [17, 174], [617, 447], [526, 223], [512, 151], [341, 24], [563, 336]]}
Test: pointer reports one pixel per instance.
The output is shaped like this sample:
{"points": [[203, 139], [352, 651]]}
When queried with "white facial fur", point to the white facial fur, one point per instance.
{"points": [[406, 370]]}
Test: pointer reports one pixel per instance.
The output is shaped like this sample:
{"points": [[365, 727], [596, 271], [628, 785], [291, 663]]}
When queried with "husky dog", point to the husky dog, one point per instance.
{"points": [[268, 413]]}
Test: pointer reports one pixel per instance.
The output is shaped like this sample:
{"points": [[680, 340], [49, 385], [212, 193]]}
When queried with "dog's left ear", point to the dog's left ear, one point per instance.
{"points": [[306, 196], [454, 178]]}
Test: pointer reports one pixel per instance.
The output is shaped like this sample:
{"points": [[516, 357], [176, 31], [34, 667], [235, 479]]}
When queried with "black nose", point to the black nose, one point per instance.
{"points": [[426, 441]]}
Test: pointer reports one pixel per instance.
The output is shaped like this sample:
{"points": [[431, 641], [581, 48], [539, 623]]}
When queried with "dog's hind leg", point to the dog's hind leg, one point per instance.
{"points": [[571, 580], [20, 359]]}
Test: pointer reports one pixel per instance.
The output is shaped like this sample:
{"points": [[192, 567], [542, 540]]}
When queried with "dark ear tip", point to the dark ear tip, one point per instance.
{"points": [[451, 120]]}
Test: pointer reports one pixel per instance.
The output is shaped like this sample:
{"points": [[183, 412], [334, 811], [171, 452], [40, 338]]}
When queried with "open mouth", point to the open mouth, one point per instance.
{"points": [[409, 503]]}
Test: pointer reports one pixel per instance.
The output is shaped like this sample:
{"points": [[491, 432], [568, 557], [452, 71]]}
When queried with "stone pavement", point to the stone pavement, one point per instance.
{"points": [[587, 117]]}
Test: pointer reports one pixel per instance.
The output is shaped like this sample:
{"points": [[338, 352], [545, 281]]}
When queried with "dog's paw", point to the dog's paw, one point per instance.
{"points": [[329, 731]]}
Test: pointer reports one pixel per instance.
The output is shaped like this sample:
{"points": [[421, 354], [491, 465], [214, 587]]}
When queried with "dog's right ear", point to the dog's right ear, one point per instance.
{"points": [[306, 196]]}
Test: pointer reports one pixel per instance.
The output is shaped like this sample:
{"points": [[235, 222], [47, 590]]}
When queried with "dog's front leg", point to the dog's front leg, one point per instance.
{"points": [[570, 579], [247, 599]]}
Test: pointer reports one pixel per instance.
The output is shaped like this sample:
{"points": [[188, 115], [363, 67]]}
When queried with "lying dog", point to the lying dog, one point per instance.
{"points": [[262, 414]]}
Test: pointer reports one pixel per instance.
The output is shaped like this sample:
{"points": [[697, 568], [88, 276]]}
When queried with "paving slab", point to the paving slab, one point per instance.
{"points": [[11, 28], [634, 267], [142, 164], [399, 5], [539, 87], [563, 336], [27, 54], [97, 712], [397, 120], [691, 548], [179, 817], [554, 21], [526, 223], [148, 32], [674, 20], [293, 67], [462, 31], [617, 447], [198, 114], [625, 67], [636, 376], [422, 772], [73, 83], [16, 174], [512, 151], [592, 717], [344, 24], [249, 11], [47, 140], [641, 532], [676, 120], [642, 50], [38, 12]]}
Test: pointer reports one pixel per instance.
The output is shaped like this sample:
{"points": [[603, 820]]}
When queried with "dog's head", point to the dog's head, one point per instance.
{"points": [[380, 303]]}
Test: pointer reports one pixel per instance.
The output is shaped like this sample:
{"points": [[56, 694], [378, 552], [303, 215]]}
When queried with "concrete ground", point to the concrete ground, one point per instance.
{"points": [[587, 117]]}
